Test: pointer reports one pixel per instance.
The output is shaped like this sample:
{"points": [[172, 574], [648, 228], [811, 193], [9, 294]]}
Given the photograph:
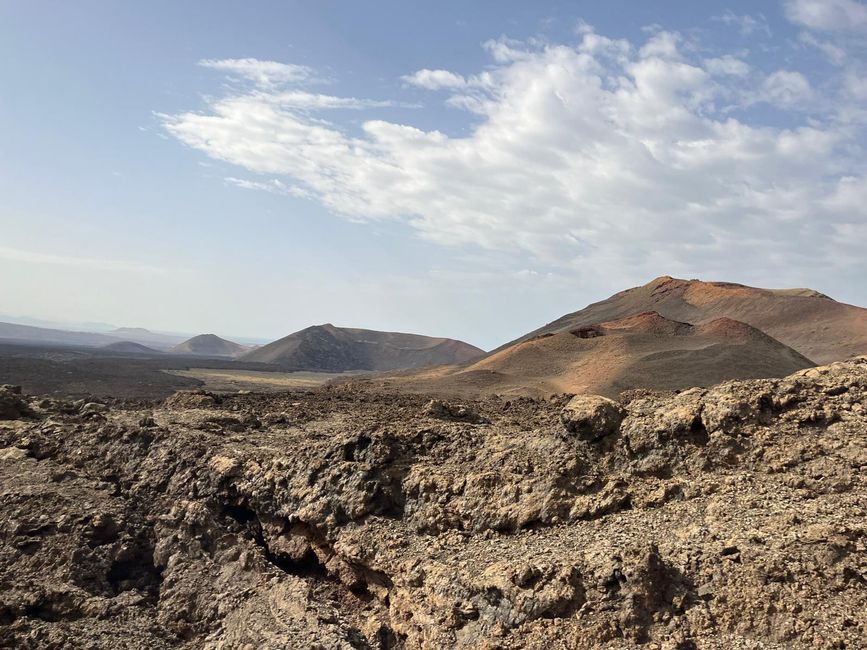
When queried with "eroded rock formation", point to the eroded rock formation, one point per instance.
{"points": [[729, 517]]}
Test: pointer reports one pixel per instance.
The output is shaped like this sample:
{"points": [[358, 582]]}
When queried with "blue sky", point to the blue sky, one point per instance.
{"points": [[459, 169]]}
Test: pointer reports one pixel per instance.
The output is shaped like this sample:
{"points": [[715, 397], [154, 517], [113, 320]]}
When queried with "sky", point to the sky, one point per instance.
{"points": [[471, 170]]}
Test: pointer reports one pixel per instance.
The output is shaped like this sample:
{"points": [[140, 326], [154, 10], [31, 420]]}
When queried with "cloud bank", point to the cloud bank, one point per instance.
{"points": [[828, 15], [592, 155], [33, 257]]}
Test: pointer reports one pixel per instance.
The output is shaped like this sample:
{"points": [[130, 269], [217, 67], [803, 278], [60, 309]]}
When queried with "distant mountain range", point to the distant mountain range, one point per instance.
{"points": [[319, 348], [82, 326], [667, 334], [44, 335]]}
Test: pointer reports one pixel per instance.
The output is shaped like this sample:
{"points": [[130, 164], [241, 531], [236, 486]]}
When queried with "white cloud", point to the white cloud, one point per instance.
{"points": [[301, 99], [746, 24], [274, 185], [505, 50], [605, 157], [727, 65], [435, 79], [856, 84], [33, 257], [828, 15], [663, 44], [835, 54], [263, 73], [787, 89]]}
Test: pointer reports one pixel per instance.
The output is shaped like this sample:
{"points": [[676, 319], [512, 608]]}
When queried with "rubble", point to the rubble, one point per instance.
{"points": [[728, 517]]}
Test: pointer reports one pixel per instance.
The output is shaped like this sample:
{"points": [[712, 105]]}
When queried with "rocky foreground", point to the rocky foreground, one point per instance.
{"points": [[730, 517]]}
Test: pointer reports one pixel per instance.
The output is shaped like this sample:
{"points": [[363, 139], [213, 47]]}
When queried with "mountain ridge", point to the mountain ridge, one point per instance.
{"points": [[641, 351], [806, 320], [336, 349]]}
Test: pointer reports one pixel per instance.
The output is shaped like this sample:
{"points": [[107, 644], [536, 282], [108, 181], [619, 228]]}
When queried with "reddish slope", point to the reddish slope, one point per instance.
{"points": [[644, 350], [818, 327]]}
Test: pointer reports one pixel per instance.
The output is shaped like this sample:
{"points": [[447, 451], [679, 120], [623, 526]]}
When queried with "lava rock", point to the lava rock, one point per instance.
{"points": [[442, 410], [13, 406], [592, 417]]}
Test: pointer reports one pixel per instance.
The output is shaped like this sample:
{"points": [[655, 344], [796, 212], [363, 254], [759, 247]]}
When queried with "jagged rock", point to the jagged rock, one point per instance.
{"points": [[191, 399], [728, 516], [13, 406], [147, 421], [592, 417], [437, 408], [93, 407]]}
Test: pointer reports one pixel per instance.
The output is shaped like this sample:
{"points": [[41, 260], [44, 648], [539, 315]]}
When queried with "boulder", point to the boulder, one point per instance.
{"points": [[13, 406], [93, 407], [442, 410], [592, 417], [192, 399]]}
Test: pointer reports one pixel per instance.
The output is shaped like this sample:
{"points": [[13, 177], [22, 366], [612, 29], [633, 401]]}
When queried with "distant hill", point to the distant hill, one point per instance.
{"points": [[72, 326], [336, 349], [45, 335], [42, 335], [129, 347], [209, 345], [645, 350], [146, 337], [815, 325]]}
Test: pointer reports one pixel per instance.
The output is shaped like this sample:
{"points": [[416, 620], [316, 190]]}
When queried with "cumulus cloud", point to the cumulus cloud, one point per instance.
{"points": [[663, 45], [828, 15], [602, 156]]}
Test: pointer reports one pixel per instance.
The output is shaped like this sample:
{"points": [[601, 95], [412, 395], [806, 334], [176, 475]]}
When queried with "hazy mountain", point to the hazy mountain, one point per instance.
{"points": [[147, 337], [43, 335], [58, 325], [130, 347], [335, 349], [209, 345]]}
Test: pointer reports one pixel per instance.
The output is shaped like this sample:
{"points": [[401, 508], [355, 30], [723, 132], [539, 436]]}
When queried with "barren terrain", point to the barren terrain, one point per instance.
{"points": [[644, 350], [820, 328], [64, 371], [228, 380], [728, 517]]}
